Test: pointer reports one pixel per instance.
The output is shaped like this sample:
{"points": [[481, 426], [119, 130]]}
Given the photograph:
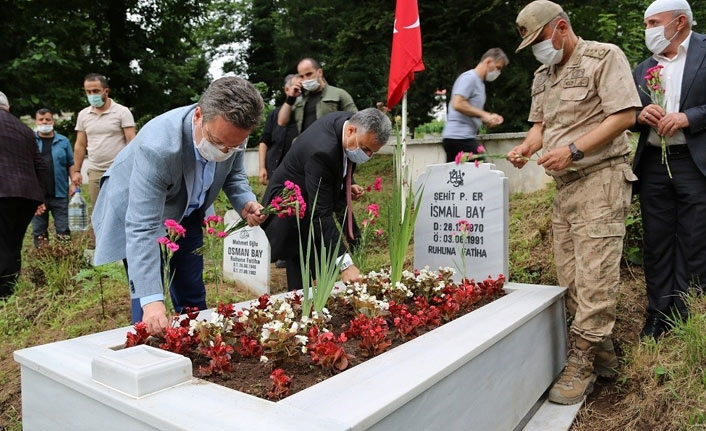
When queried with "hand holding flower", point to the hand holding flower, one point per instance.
{"points": [[672, 123]]}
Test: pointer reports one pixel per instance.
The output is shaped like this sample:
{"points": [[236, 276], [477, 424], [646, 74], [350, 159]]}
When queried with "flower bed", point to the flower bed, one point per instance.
{"points": [[269, 350]]}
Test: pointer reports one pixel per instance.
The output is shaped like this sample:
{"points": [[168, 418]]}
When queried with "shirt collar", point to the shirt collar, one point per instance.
{"points": [[681, 50]]}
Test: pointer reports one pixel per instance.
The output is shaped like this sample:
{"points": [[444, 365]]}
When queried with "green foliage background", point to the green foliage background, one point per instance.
{"points": [[157, 52]]}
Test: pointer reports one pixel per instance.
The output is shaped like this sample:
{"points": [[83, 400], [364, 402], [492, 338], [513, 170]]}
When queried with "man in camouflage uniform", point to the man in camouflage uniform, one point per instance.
{"points": [[583, 100]]}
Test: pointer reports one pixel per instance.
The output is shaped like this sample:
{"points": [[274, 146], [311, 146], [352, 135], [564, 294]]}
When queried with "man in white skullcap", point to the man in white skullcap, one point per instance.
{"points": [[672, 191]]}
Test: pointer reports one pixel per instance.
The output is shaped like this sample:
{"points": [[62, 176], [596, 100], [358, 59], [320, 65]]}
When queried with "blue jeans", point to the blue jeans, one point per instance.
{"points": [[59, 208], [186, 270]]}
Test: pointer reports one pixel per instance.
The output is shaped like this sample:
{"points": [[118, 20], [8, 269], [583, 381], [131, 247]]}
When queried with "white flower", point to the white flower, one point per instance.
{"points": [[294, 328], [304, 349], [302, 339], [264, 359]]}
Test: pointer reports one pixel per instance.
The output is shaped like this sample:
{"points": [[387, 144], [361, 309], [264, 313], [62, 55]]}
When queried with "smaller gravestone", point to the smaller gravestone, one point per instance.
{"points": [[452, 193], [246, 257]]}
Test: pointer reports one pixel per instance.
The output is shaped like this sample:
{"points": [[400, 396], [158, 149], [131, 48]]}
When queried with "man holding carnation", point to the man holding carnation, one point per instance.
{"points": [[174, 170], [321, 164], [672, 184]]}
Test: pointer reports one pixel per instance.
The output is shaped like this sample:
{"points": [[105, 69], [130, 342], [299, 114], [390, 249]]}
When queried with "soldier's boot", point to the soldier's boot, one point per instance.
{"points": [[578, 377], [606, 362]]}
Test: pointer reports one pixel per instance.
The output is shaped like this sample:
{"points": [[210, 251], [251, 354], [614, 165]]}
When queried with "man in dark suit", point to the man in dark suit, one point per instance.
{"points": [[673, 206], [323, 160], [22, 183]]}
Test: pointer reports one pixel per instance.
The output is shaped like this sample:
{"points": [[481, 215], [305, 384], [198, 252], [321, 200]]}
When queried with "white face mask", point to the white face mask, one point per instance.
{"points": [[311, 84], [357, 155], [492, 75], [213, 153], [45, 128], [655, 39], [545, 52]]}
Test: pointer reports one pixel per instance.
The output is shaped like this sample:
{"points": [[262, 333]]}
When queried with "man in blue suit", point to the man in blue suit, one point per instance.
{"points": [[673, 206], [174, 169]]}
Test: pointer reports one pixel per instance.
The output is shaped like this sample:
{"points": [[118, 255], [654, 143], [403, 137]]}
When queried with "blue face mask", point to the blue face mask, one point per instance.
{"points": [[357, 156], [95, 100]]}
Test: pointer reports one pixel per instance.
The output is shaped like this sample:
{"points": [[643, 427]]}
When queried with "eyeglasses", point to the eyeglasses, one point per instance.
{"points": [[227, 149]]}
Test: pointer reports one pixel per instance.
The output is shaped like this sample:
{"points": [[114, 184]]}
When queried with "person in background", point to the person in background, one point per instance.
{"points": [[318, 97], [583, 101], [673, 208], [56, 152], [276, 140], [23, 176], [102, 129], [466, 113]]}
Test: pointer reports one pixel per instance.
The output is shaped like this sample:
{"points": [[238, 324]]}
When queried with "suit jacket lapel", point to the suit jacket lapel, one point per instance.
{"points": [[694, 58], [188, 158]]}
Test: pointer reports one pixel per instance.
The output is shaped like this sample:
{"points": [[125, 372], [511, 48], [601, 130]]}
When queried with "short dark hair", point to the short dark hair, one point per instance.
{"points": [[235, 99], [314, 63], [42, 111], [97, 77]]}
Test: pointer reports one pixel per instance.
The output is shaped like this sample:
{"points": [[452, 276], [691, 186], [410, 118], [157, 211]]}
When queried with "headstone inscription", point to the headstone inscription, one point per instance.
{"points": [[463, 220], [246, 257]]}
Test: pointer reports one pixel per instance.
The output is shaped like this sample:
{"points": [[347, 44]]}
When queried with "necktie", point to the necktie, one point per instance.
{"points": [[349, 199]]}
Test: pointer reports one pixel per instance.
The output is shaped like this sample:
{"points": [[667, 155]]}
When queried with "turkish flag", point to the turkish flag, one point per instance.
{"points": [[406, 50]]}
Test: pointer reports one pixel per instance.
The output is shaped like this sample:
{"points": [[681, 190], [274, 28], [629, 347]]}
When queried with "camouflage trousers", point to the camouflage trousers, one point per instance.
{"points": [[588, 222]]}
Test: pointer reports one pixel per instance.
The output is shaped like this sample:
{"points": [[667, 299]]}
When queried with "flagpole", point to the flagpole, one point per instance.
{"points": [[404, 167]]}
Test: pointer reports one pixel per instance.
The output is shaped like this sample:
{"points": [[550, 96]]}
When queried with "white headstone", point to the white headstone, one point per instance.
{"points": [[246, 257], [453, 193]]}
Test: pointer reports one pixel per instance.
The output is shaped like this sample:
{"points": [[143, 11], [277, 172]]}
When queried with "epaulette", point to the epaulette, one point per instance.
{"points": [[598, 53]]}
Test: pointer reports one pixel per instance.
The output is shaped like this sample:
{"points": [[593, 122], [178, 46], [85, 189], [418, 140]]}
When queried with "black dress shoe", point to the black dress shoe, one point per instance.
{"points": [[654, 327]]}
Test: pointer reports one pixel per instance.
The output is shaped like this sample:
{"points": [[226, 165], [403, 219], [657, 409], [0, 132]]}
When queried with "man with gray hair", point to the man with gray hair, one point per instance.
{"points": [[672, 186], [322, 163], [174, 169], [466, 114]]}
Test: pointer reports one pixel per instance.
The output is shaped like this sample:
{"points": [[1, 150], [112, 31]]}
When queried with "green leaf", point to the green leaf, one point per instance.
{"points": [[660, 370]]}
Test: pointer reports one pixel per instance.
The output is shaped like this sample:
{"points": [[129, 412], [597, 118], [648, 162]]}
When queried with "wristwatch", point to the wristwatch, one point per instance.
{"points": [[576, 154]]}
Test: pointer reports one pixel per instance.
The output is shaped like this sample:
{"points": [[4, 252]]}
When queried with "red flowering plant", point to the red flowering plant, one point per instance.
{"points": [[655, 90], [140, 335], [219, 354], [280, 384], [168, 246], [326, 350]]}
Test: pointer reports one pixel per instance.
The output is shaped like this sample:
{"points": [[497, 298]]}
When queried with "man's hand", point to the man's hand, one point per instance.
{"points": [[155, 317], [76, 178], [251, 213], [295, 90], [672, 123], [350, 274], [650, 115], [40, 210], [518, 156], [556, 160], [356, 192], [263, 176], [492, 120]]}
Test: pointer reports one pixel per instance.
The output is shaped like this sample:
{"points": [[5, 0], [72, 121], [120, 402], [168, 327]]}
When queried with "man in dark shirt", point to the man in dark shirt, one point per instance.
{"points": [[276, 140], [22, 182], [59, 157], [318, 97]]}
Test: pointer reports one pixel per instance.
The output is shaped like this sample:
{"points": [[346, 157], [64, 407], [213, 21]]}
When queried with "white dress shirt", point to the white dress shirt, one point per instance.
{"points": [[671, 80]]}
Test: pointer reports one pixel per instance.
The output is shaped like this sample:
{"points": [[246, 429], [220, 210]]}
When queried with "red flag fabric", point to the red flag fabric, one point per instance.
{"points": [[406, 50]]}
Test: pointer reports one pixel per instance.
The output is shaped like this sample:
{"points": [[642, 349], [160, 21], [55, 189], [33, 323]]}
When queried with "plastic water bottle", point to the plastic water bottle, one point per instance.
{"points": [[78, 220]]}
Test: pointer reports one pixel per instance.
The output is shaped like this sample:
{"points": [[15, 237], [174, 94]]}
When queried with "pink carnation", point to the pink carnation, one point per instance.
{"points": [[379, 232], [173, 247], [476, 162], [163, 240], [179, 229], [459, 158], [222, 234], [289, 185], [374, 210], [170, 223], [365, 222], [210, 231], [378, 184]]}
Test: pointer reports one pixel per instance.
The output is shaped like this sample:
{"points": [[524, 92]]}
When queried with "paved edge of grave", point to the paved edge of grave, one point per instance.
{"points": [[553, 417]]}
